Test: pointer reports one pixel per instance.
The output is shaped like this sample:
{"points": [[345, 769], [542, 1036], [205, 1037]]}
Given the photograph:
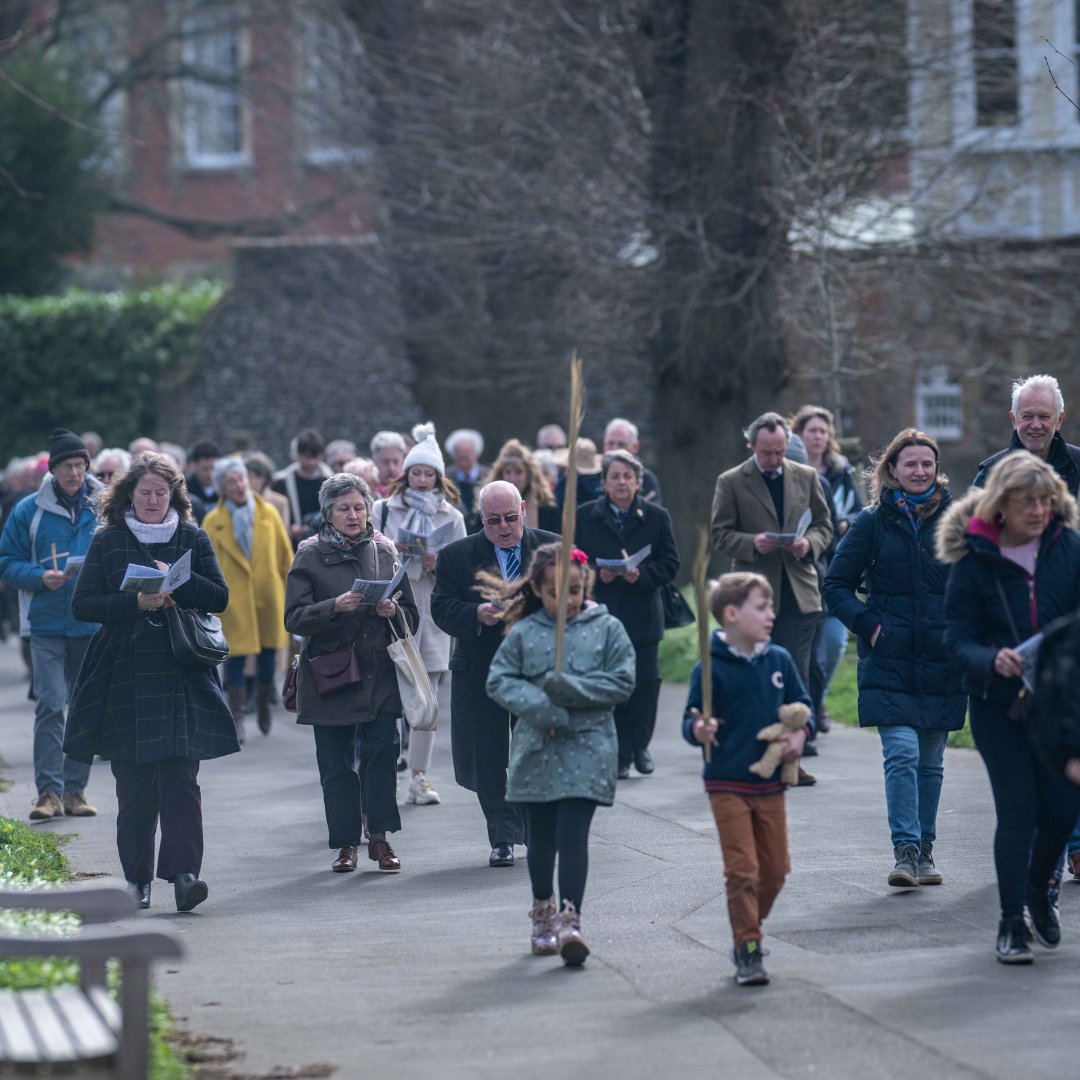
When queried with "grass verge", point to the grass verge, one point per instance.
{"points": [[29, 856]]}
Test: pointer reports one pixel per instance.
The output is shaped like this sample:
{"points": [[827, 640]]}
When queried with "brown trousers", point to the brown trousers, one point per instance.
{"points": [[753, 841]]}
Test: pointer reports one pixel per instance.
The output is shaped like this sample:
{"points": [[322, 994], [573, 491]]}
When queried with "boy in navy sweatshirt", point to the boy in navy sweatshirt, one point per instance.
{"points": [[751, 679]]}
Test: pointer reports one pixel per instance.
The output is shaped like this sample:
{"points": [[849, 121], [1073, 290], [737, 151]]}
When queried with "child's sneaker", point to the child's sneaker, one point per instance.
{"points": [[749, 970], [545, 939], [421, 793]]}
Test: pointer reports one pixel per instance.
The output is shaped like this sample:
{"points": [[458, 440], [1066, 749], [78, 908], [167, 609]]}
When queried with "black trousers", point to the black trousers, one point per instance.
{"points": [[167, 791], [358, 771], [1036, 810], [505, 822], [635, 718], [795, 631], [559, 828]]}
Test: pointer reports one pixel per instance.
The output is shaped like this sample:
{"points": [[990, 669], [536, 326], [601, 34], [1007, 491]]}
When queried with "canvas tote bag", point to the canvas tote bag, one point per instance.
{"points": [[418, 700]]}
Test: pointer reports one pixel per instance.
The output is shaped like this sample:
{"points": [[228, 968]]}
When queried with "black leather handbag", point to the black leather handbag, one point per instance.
{"points": [[196, 637], [677, 612]]}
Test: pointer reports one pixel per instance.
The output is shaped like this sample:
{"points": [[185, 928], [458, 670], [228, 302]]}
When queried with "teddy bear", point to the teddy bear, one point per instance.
{"points": [[791, 717]]}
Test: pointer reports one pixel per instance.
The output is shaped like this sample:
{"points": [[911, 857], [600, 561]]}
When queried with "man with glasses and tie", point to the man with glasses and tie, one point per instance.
{"points": [[757, 511], [480, 729]]}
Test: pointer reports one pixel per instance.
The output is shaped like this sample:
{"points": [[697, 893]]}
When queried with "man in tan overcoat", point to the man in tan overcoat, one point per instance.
{"points": [[768, 494]]}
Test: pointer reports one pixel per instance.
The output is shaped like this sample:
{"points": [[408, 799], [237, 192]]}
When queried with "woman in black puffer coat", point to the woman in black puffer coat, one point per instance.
{"points": [[1016, 556], [908, 688]]}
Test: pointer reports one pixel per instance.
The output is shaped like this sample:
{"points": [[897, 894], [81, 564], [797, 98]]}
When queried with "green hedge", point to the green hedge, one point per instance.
{"points": [[94, 361]]}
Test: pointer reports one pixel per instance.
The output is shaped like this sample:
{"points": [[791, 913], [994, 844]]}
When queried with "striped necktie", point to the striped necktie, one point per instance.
{"points": [[513, 564]]}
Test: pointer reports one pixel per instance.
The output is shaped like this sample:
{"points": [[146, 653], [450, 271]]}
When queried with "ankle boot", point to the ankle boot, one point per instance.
{"points": [[262, 700], [236, 704], [545, 938], [1012, 941], [572, 946]]}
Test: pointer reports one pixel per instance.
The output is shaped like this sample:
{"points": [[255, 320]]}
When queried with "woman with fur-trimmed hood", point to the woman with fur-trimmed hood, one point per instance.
{"points": [[1015, 556]]}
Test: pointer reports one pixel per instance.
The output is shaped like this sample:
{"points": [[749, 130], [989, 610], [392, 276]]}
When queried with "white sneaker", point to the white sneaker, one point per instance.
{"points": [[421, 792]]}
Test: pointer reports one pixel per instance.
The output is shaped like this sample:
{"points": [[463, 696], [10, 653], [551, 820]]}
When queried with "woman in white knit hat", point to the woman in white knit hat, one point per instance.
{"points": [[422, 502]]}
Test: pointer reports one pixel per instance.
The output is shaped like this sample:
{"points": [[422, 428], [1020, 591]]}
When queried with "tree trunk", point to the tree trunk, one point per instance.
{"points": [[718, 68]]}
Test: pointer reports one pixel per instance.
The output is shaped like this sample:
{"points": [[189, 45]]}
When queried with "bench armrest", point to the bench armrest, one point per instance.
{"points": [[97, 943], [96, 902]]}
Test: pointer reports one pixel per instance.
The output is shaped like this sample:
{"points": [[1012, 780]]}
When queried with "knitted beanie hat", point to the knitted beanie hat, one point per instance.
{"points": [[65, 444], [426, 451]]}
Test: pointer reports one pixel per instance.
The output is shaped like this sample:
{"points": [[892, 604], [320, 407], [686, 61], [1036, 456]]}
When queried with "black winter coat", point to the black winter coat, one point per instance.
{"points": [[133, 700], [637, 606], [480, 727], [977, 623], [906, 679]]}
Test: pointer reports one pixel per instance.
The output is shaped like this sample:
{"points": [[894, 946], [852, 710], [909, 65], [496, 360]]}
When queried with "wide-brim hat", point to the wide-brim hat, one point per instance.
{"points": [[586, 457]]}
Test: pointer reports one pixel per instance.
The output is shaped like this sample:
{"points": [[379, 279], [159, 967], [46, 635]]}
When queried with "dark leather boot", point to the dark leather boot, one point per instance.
{"points": [[262, 705]]}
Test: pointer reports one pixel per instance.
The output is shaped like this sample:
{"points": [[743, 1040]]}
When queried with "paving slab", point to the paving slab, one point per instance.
{"points": [[428, 972]]}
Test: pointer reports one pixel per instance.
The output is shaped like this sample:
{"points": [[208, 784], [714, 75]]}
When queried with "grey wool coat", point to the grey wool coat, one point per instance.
{"points": [[564, 744], [320, 573], [133, 700]]}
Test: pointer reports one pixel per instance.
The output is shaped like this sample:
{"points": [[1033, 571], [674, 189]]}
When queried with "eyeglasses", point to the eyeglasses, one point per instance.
{"points": [[494, 520]]}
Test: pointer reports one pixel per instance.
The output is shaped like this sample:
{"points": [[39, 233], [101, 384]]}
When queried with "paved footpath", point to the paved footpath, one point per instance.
{"points": [[428, 972]]}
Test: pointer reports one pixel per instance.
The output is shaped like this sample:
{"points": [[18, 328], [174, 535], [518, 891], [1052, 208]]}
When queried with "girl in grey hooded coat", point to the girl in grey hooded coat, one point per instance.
{"points": [[564, 752]]}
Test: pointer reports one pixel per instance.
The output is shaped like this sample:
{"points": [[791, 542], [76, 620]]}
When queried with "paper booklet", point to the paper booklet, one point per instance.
{"points": [[74, 564], [630, 562], [426, 543], [1029, 650], [375, 592], [800, 530], [149, 579]]}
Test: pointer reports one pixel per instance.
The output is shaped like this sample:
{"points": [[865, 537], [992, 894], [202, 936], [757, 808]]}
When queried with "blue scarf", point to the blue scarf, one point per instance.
{"points": [[912, 506]]}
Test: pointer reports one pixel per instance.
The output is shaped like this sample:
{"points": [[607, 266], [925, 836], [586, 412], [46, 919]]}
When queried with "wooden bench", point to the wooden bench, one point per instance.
{"points": [[81, 1030]]}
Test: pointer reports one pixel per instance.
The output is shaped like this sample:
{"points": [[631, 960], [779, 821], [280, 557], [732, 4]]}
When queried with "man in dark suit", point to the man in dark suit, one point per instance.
{"points": [[480, 729]]}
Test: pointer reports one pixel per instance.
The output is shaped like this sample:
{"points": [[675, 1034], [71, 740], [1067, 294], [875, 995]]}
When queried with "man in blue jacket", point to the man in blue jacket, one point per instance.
{"points": [[41, 534]]}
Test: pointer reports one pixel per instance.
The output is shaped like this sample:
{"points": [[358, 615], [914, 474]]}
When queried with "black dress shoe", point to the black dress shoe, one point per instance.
{"points": [[810, 750], [190, 891], [501, 855], [624, 772], [643, 762], [140, 890]]}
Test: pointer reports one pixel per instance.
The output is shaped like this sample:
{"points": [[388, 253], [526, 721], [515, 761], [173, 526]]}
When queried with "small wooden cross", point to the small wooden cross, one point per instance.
{"points": [[55, 555]]}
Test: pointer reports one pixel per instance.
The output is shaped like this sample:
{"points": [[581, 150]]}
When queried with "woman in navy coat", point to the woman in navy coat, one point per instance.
{"points": [[134, 703], [908, 688], [621, 523], [1016, 556]]}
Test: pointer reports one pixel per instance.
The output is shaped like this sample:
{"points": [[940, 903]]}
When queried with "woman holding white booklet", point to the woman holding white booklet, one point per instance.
{"points": [[422, 517], [134, 703], [623, 526]]}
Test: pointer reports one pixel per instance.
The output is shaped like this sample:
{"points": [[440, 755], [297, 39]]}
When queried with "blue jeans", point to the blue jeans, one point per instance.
{"points": [[56, 663], [834, 641], [913, 770], [1074, 840]]}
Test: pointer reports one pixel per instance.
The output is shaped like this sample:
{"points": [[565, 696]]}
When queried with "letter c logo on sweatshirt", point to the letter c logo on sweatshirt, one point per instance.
{"points": [[777, 679]]}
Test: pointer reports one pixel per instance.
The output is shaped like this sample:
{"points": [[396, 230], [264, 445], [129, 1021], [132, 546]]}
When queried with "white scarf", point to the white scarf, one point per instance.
{"points": [[423, 506], [147, 533]]}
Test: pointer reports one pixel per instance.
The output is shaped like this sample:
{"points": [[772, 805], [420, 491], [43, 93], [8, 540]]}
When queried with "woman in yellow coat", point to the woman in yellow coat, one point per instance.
{"points": [[255, 555]]}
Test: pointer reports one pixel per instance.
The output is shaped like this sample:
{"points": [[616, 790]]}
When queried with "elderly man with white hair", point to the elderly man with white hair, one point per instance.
{"points": [[621, 434], [255, 554], [480, 729], [111, 462], [465, 447], [1037, 412]]}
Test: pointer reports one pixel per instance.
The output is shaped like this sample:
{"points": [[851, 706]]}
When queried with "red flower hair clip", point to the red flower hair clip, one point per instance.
{"points": [[579, 556]]}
